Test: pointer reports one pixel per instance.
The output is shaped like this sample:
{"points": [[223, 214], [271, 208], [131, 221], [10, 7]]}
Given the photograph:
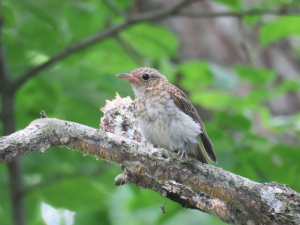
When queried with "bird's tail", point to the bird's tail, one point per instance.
{"points": [[208, 147], [200, 155]]}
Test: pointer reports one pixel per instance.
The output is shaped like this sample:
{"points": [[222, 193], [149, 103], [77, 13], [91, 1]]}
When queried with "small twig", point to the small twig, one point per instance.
{"points": [[163, 208], [43, 114]]}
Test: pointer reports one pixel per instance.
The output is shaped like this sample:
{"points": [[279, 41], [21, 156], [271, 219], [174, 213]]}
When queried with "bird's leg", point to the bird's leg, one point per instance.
{"points": [[183, 152]]}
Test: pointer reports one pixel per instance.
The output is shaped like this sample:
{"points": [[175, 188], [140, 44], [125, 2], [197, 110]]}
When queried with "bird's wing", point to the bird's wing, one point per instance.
{"points": [[183, 103]]}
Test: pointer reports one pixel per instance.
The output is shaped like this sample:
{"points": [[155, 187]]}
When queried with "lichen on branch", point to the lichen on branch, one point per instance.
{"points": [[231, 198]]}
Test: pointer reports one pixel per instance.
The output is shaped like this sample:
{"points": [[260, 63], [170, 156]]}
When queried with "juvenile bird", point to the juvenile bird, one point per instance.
{"points": [[166, 117]]}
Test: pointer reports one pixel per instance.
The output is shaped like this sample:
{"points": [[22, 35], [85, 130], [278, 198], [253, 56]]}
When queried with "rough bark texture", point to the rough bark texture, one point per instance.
{"points": [[231, 198]]}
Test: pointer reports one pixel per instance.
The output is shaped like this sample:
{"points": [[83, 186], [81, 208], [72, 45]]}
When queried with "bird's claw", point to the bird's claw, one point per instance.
{"points": [[183, 152]]}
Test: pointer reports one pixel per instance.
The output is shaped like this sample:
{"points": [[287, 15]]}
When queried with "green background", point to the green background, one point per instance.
{"points": [[76, 87]]}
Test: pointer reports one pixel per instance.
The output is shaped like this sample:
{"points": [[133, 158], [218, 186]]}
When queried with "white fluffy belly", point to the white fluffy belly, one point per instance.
{"points": [[168, 128]]}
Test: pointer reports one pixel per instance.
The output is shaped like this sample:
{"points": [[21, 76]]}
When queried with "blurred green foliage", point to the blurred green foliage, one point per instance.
{"points": [[75, 88], [280, 28]]}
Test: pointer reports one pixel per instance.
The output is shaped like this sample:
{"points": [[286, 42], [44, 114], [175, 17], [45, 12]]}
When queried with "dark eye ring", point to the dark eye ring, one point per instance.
{"points": [[146, 76]]}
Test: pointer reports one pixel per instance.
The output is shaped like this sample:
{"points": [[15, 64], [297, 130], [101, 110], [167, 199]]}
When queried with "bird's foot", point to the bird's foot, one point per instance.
{"points": [[183, 152]]}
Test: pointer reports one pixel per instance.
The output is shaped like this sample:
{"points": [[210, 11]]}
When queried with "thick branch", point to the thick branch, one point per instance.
{"points": [[87, 42], [229, 197]]}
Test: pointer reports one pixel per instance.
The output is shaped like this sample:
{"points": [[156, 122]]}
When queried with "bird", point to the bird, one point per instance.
{"points": [[166, 117]]}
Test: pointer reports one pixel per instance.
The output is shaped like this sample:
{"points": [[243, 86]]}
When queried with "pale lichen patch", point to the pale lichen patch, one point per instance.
{"points": [[64, 140], [43, 147], [269, 197]]}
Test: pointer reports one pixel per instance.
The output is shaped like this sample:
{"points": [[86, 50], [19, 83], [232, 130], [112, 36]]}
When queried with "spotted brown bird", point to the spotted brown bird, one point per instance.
{"points": [[166, 117]]}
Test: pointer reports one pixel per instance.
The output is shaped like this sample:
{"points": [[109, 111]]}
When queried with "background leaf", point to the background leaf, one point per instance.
{"points": [[281, 28]]}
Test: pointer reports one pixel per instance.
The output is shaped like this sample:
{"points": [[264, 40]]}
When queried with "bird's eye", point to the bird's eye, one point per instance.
{"points": [[146, 76]]}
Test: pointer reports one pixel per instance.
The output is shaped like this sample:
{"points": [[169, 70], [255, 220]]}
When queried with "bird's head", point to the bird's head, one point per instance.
{"points": [[144, 78]]}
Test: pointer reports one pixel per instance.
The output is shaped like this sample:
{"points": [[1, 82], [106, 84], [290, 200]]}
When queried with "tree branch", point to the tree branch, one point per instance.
{"points": [[252, 12], [89, 41], [231, 198]]}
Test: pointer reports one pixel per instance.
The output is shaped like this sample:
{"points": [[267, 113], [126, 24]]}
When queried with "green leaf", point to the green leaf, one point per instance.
{"points": [[233, 121], [281, 165], [151, 41], [289, 155], [246, 168], [279, 29], [37, 34], [251, 20], [92, 16], [124, 3], [218, 136], [15, 52], [255, 75], [257, 96], [10, 15], [167, 68], [288, 86], [233, 4], [212, 100], [255, 143], [42, 14], [111, 57], [195, 75], [73, 194], [92, 216]]}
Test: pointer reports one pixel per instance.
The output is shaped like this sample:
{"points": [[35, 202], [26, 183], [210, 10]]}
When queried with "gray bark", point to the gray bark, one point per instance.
{"points": [[231, 198]]}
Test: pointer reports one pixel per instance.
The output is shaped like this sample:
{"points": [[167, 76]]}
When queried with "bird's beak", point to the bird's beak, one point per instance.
{"points": [[127, 76]]}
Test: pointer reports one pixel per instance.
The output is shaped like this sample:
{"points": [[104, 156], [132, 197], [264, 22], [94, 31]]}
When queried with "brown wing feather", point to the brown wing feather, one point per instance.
{"points": [[184, 104], [201, 155]]}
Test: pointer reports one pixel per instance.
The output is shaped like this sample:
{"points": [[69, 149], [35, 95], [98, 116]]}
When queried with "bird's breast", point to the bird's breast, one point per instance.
{"points": [[153, 107], [164, 124]]}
